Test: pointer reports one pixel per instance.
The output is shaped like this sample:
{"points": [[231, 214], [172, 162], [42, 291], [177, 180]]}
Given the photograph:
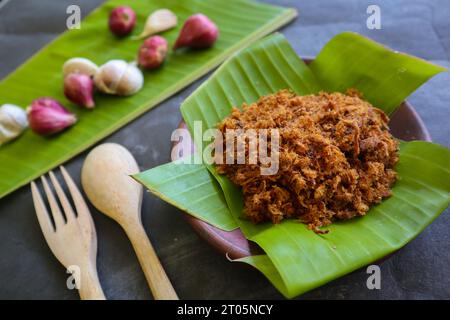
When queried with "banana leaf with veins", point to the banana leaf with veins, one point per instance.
{"points": [[32, 155], [296, 259]]}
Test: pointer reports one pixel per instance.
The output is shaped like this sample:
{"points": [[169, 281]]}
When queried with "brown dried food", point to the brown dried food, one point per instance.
{"points": [[336, 158]]}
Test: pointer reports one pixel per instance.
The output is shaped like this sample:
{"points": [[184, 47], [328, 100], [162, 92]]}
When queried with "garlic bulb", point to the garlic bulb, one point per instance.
{"points": [[119, 77], [80, 65], [158, 21], [13, 121]]}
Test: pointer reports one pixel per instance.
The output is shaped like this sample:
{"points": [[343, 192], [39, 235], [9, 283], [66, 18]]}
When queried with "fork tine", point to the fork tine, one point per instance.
{"points": [[62, 197], [41, 211], [80, 204], [56, 212]]}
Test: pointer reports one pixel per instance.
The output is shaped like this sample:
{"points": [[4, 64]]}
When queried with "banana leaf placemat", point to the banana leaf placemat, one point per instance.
{"points": [[240, 22]]}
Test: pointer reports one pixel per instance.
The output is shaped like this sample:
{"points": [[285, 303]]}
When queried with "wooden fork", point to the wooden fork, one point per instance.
{"points": [[72, 240]]}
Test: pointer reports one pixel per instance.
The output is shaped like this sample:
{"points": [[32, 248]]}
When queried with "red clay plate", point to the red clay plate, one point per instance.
{"points": [[405, 124]]}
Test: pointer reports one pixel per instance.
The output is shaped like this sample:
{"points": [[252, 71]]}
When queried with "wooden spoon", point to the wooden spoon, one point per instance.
{"points": [[106, 181]]}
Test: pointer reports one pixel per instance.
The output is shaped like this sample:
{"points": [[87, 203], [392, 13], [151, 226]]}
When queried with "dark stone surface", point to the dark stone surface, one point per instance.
{"points": [[28, 269]]}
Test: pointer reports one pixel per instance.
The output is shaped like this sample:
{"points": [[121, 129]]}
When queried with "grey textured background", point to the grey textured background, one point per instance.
{"points": [[28, 270]]}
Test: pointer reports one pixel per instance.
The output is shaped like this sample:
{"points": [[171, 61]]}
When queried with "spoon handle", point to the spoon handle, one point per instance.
{"points": [[156, 277]]}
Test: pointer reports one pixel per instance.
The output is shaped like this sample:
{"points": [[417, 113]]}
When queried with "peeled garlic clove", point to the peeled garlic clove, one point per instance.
{"points": [[13, 121], [79, 88], [159, 21], [119, 77], [198, 32], [80, 65], [47, 116]]}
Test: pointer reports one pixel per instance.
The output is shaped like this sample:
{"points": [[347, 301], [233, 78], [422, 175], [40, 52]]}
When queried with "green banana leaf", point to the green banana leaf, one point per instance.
{"points": [[418, 198], [385, 77], [297, 259], [176, 182], [240, 22]]}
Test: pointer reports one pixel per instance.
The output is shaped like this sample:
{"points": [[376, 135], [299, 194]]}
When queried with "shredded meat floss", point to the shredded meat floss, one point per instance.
{"points": [[336, 158]]}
